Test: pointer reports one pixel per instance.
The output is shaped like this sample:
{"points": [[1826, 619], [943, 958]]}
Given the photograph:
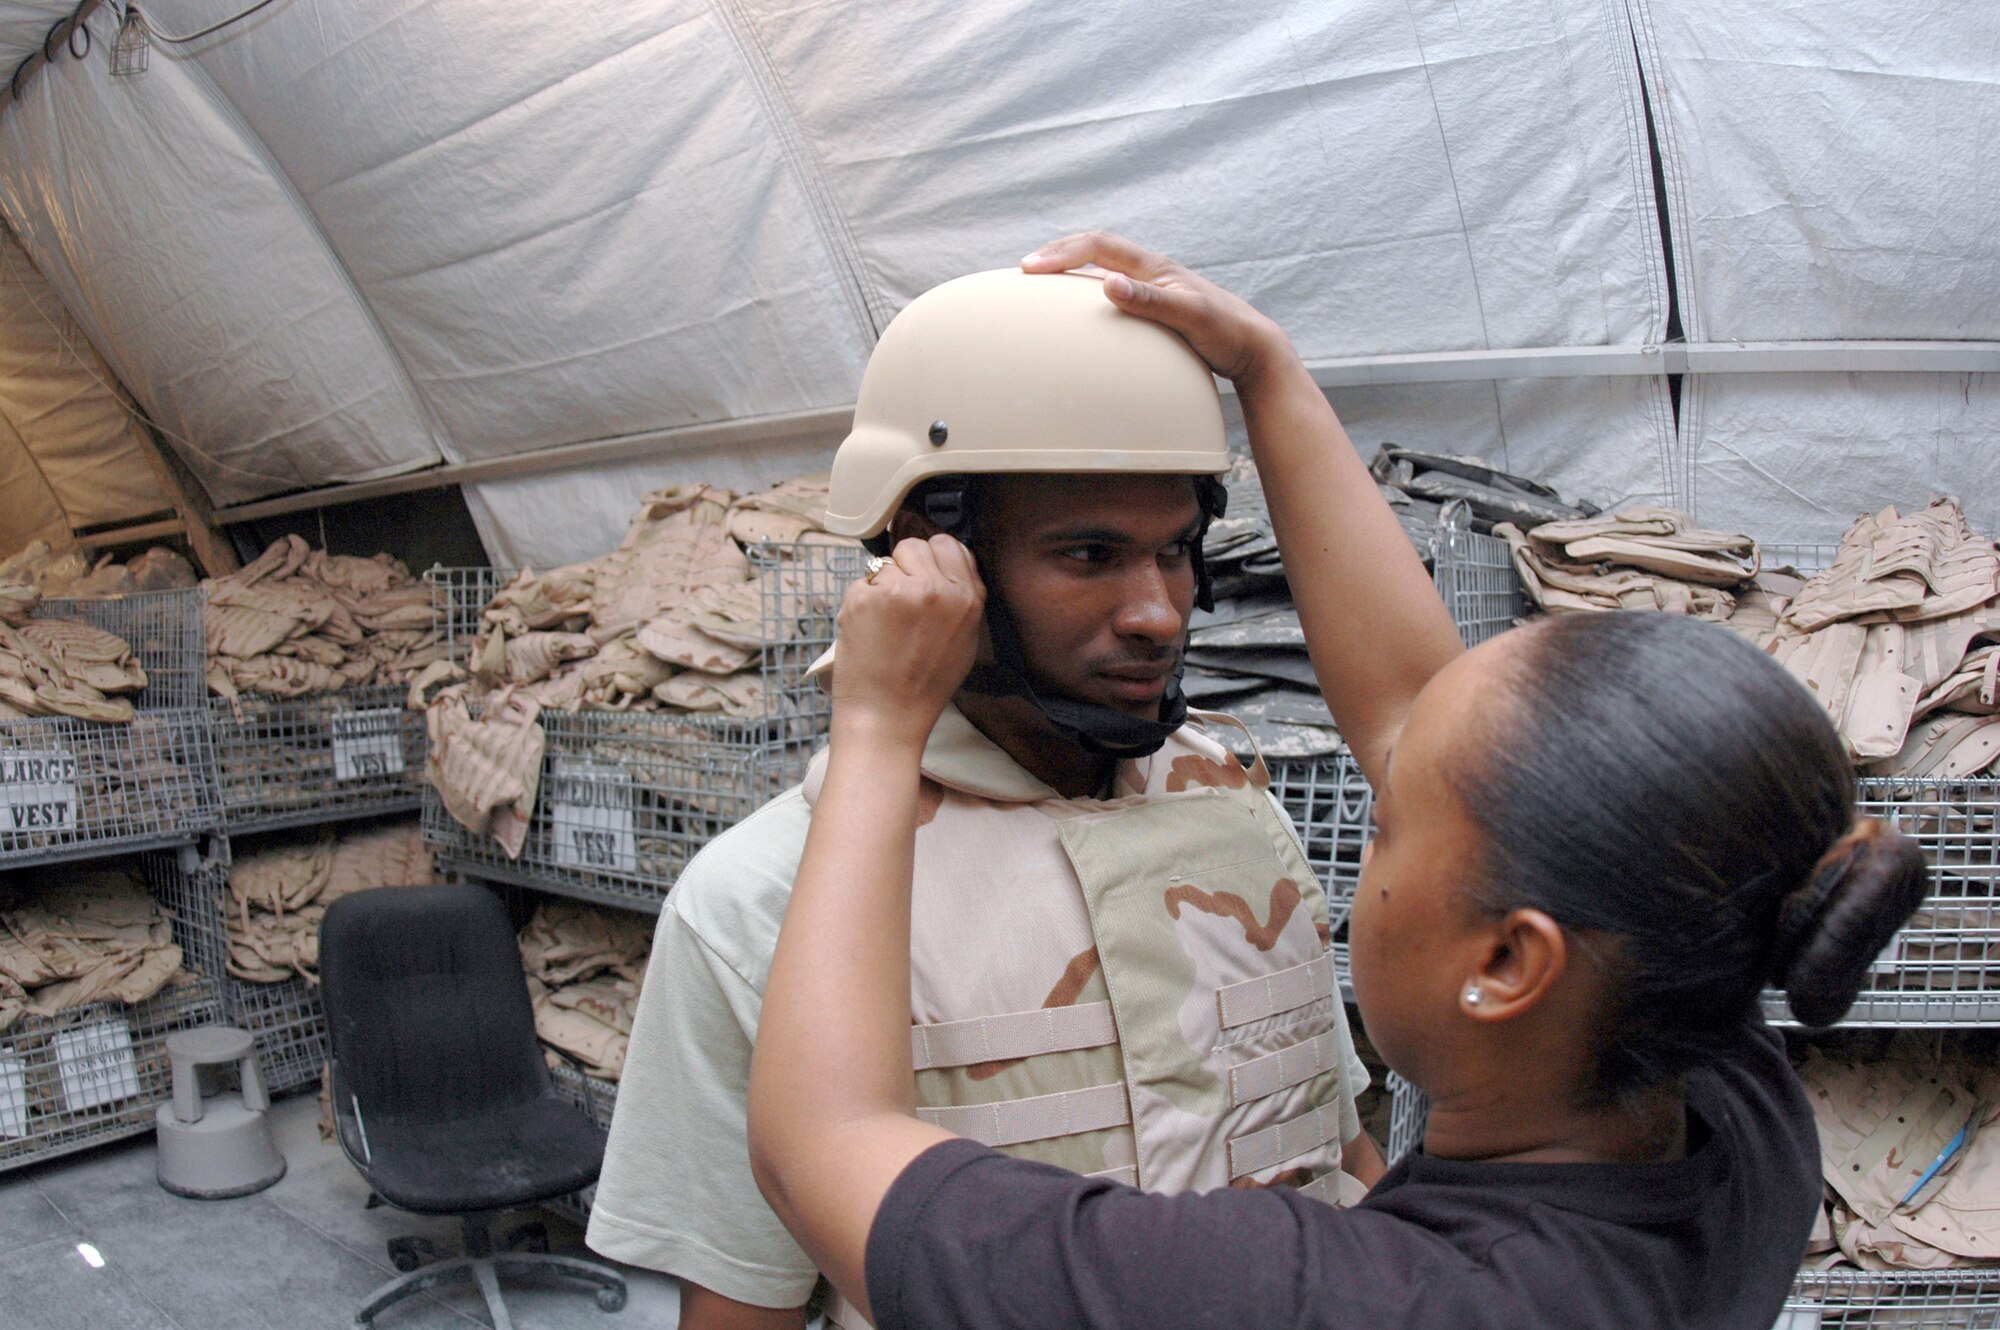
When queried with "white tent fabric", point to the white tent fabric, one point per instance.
{"points": [[71, 453], [1830, 175], [337, 242], [451, 231], [200, 280]]}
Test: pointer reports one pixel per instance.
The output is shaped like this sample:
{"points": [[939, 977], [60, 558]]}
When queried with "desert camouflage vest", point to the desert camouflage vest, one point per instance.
{"points": [[1137, 986]]}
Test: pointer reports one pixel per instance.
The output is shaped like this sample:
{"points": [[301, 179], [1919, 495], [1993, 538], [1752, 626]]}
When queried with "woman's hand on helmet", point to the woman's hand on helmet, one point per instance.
{"points": [[909, 634], [1224, 329]]}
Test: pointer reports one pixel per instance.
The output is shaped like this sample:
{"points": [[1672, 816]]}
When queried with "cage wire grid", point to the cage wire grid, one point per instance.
{"points": [[1474, 575], [627, 799], [1863, 1300], [92, 1074], [74, 789], [284, 762], [284, 1017], [164, 630]]}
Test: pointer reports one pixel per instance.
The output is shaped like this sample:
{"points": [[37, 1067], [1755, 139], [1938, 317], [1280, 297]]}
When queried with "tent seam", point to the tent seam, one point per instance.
{"points": [[224, 106], [864, 302]]}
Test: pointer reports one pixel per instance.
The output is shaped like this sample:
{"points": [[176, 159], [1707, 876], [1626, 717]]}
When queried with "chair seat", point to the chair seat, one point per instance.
{"points": [[515, 1155]]}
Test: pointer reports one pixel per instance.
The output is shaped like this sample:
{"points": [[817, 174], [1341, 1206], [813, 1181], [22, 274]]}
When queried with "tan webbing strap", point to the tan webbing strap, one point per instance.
{"points": [[1283, 1069], [1020, 1034], [1338, 1189], [1013, 1121], [1270, 994], [1285, 1140], [1128, 1174], [1260, 775], [844, 1314]]}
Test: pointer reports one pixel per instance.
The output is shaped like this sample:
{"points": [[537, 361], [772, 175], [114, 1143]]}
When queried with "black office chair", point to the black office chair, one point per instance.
{"points": [[440, 1093]]}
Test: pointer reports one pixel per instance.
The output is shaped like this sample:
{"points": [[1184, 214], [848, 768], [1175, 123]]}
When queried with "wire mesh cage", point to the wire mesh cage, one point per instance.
{"points": [[285, 762], [93, 1073], [799, 591], [593, 1094], [799, 587], [1331, 806], [164, 630], [73, 788], [289, 1025], [188, 881], [459, 597], [595, 1097], [1474, 575], [626, 800], [285, 1017], [1863, 1300], [1408, 1111], [1943, 967]]}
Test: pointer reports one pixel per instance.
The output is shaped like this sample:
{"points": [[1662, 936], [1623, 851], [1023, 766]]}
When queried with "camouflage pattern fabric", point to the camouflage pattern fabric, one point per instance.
{"points": [[279, 893], [1183, 886], [1898, 639], [299, 621], [70, 936], [584, 967], [670, 620], [1910, 1146]]}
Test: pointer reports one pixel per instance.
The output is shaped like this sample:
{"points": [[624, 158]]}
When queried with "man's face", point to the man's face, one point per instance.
{"points": [[1097, 573]]}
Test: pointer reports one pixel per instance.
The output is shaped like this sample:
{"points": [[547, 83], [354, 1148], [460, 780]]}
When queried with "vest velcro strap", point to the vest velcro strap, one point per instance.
{"points": [[1020, 1034], [1338, 1189], [1283, 1069], [1040, 1118], [1128, 1174], [1284, 1140], [1270, 994]]}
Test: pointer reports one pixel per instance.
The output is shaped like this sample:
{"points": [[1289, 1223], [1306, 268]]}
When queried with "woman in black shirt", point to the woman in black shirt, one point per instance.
{"points": [[1599, 837]]}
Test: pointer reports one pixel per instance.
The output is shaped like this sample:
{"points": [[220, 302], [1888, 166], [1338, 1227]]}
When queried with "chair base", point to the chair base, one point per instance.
{"points": [[484, 1271]]}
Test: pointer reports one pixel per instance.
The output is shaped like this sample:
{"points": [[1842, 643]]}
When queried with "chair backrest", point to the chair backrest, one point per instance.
{"points": [[427, 1004]]}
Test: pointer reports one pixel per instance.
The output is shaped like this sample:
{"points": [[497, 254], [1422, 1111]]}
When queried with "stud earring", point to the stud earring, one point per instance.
{"points": [[1474, 996]]}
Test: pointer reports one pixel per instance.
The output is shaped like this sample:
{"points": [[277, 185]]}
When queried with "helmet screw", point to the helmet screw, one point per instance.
{"points": [[939, 433]]}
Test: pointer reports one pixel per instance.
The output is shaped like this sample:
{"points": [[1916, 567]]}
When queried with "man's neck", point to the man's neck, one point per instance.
{"points": [[1019, 729]]}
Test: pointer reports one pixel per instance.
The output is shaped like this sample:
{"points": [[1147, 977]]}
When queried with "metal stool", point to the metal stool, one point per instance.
{"points": [[217, 1145]]}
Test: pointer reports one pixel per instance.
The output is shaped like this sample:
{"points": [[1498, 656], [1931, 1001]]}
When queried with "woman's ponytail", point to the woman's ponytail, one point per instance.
{"points": [[1833, 927]]}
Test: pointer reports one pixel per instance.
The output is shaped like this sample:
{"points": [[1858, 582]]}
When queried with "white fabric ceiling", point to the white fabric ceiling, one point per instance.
{"points": [[338, 242]]}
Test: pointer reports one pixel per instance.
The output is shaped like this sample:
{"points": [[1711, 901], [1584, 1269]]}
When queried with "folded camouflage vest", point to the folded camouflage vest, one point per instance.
{"points": [[1136, 987]]}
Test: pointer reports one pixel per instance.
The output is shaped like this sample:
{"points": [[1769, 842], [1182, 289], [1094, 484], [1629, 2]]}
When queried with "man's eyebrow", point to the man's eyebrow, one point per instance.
{"points": [[1086, 535], [1096, 535]]}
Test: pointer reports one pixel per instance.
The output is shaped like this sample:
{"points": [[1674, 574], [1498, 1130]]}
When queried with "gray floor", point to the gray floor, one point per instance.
{"points": [[299, 1256]]}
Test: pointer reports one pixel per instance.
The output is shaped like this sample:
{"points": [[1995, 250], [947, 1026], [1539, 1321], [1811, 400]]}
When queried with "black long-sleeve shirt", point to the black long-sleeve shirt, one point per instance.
{"points": [[970, 1238]]}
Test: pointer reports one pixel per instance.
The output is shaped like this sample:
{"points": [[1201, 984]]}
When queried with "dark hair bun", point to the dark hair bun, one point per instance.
{"points": [[1831, 929]]}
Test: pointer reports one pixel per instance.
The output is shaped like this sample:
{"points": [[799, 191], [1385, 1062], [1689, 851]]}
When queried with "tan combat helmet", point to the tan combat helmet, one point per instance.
{"points": [[1006, 371]]}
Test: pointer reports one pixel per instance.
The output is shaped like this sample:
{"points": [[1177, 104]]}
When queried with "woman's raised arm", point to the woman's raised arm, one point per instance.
{"points": [[1373, 621]]}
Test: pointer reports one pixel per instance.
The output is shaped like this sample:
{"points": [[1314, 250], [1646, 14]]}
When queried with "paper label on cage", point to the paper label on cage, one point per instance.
{"points": [[37, 790], [366, 743], [591, 810], [96, 1065], [13, 1098]]}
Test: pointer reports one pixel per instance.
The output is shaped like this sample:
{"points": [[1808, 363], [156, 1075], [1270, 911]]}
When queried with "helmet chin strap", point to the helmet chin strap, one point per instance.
{"points": [[1094, 728], [1105, 731]]}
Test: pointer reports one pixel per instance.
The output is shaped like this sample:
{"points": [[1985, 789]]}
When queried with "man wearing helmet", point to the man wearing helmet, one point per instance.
{"points": [[1119, 956]]}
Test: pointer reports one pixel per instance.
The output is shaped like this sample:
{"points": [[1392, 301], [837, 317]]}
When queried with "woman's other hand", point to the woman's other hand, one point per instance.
{"points": [[908, 635]]}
